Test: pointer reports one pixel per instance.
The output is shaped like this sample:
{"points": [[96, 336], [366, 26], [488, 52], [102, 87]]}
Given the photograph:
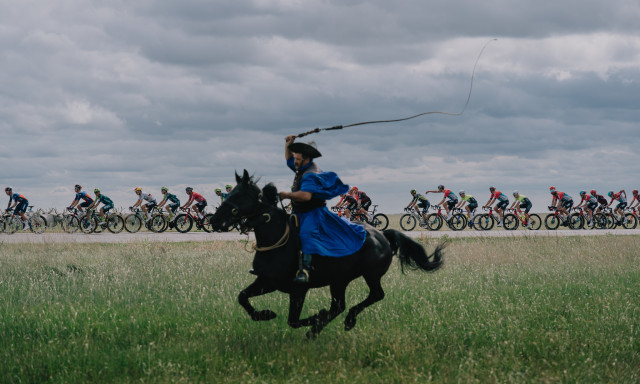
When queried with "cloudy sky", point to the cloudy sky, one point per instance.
{"points": [[119, 94]]}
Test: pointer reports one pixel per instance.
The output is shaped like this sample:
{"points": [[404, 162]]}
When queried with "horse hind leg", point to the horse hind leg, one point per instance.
{"points": [[256, 289], [324, 317], [376, 293]]}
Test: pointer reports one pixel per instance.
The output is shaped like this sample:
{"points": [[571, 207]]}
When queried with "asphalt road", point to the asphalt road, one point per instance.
{"points": [[124, 237]]}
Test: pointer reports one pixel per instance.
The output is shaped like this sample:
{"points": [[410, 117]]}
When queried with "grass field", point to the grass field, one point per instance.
{"points": [[500, 310]]}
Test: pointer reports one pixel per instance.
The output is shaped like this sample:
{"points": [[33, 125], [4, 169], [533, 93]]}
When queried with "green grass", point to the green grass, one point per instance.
{"points": [[501, 310]]}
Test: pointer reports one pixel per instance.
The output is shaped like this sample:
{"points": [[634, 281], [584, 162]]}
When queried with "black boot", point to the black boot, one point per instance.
{"points": [[304, 265]]}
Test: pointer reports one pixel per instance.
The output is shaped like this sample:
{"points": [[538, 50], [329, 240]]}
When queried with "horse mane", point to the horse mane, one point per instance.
{"points": [[270, 195]]}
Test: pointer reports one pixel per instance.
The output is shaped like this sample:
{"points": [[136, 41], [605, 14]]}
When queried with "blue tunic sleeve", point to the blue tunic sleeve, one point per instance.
{"points": [[323, 185]]}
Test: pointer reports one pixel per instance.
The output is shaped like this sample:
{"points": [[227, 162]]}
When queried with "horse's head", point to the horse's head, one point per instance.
{"points": [[243, 201]]}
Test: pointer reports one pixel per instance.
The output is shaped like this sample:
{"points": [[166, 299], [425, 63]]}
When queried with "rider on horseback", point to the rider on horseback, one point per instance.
{"points": [[321, 232]]}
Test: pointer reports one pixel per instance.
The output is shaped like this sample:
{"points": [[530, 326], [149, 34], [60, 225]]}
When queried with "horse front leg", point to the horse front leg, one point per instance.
{"points": [[257, 288], [296, 302], [324, 317]]}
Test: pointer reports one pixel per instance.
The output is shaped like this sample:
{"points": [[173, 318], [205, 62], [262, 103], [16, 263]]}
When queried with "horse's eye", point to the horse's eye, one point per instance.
{"points": [[234, 211]]}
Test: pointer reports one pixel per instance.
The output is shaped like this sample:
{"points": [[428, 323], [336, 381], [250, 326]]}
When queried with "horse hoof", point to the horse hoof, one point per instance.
{"points": [[311, 335], [349, 323], [265, 315]]}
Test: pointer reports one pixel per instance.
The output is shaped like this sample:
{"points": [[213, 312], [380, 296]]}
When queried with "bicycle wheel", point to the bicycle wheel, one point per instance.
{"points": [[207, 225], [486, 222], [2, 225], [612, 221], [457, 222], [535, 222], [115, 223], [551, 222], [631, 221], [70, 224], [408, 222], [157, 223], [359, 218], [12, 225], [132, 223], [183, 223], [88, 224], [511, 222], [576, 221], [37, 224], [434, 222], [380, 221], [99, 225]]}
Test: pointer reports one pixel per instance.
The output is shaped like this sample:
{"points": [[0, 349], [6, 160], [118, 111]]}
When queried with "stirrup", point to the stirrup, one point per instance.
{"points": [[302, 276]]}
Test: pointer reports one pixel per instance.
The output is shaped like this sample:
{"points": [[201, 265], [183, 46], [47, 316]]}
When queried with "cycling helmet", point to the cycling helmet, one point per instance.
{"points": [[440, 186], [354, 188], [138, 189], [515, 193], [412, 191], [188, 189], [492, 188], [96, 190], [635, 192], [582, 193], [8, 189], [462, 192], [78, 186], [228, 186], [165, 189], [610, 193], [593, 192], [552, 188], [218, 190]]}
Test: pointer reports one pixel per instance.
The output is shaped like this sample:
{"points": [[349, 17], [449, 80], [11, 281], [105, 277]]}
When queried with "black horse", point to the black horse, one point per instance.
{"points": [[276, 258]]}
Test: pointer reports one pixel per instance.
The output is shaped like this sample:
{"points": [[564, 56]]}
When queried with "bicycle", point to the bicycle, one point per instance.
{"points": [[134, 220], [512, 220], [486, 221], [605, 219], [632, 218], [184, 221], [409, 220], [378, 220], [112, 221], [456, 222], [37, 222], [580, 219], [72, 222], [555, 219], [11, 223]]}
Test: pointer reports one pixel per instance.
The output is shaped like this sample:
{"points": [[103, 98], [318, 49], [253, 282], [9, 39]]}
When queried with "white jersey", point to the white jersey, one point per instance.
{"points": [[147, 197]]}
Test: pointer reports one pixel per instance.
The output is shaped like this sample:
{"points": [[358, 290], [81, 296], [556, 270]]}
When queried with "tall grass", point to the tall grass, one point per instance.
{"points": [[501, 310]]}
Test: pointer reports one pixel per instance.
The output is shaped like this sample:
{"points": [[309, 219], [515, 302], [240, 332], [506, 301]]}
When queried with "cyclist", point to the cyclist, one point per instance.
{"points": [[107, 203], [148, 206], [590, 203], [601, 200], [80, 194], [420, 201], [349, 203], [503, 202], [219, 193], [523, 203], [20, 204], [621, 198], [471, 205], [364, 202], [172, 203], [448, 194], [562, 201], [200, 201]]}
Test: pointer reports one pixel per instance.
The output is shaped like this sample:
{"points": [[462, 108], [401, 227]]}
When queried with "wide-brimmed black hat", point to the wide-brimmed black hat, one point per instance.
{"points": [[305, 149]]}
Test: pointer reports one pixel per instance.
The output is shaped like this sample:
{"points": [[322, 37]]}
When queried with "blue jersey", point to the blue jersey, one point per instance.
{"points": [[18, 198], [83, 195]]}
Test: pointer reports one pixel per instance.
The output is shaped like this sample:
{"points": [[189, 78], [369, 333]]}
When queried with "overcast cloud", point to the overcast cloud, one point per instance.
{"points": [[121, 94]]}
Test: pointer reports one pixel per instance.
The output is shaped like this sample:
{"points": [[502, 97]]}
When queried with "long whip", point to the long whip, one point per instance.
{"points": [[316, 130]]}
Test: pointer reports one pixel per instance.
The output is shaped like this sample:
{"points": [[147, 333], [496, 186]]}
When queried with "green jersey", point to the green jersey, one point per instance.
{"points": [[521, 198], [172, 198], [104, 200]]}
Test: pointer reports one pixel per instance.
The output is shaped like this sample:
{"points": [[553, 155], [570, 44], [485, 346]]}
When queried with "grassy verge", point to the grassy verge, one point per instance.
{"points": [[501, 310]]}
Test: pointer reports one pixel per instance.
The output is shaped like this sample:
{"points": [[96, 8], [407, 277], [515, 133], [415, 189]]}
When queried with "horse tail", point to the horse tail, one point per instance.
{"points": [[412, 254]]}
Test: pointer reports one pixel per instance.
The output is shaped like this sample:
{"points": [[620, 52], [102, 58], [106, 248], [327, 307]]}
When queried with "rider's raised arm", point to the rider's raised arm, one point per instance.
{"points": [[287, 152]]}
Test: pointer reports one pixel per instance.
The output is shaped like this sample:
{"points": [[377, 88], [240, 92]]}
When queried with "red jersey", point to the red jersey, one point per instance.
{"points": [[197, 197]]}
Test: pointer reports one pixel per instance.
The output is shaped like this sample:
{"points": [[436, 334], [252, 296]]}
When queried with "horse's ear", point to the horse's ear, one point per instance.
{"points": [[245, 177], [238, 179]]}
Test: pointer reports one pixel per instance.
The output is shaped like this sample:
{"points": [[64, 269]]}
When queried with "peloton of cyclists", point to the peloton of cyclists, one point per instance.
{"points": [[20, 204], [503, 202], [448, 195], [80, 195], [522, 202], [151, 202], [420, 201], [364, 201]]}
